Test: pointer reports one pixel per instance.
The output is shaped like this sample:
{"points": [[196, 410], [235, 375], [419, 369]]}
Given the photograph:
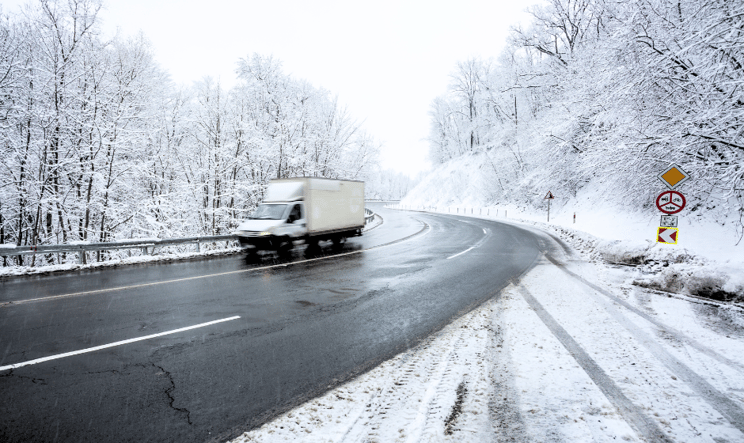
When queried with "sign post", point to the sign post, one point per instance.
{"points": [[549, 196], [670, 202]]}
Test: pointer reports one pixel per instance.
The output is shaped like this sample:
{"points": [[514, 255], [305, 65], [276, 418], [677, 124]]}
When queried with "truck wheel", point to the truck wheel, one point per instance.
{"points": [[313, 248], [284, 246], [251, 254], [338, 242]]}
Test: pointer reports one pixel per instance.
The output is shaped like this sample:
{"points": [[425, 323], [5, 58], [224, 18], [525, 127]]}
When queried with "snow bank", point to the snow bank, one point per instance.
{"points": [[665, 268], [161, 256]]}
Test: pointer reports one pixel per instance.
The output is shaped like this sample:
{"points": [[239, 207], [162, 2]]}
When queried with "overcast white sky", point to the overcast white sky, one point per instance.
{"points": [[386, 60]]}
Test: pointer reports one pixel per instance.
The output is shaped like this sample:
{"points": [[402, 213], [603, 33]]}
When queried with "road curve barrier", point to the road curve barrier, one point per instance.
{"points": [[147, 245], [369, 215]]}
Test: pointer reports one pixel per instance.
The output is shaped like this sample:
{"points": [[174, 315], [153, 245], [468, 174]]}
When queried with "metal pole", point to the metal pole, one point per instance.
{"points": [[548, 210]]}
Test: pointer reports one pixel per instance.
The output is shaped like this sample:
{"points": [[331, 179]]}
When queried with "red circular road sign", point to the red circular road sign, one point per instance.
{"points": [[670, 202]]}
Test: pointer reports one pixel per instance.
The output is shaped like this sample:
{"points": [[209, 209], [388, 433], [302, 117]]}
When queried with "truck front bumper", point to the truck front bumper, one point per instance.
{"points": [[259, 242]]}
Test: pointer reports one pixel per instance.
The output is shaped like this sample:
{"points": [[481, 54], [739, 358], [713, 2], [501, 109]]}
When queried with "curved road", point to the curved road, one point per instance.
{"points": [[265, 335]]}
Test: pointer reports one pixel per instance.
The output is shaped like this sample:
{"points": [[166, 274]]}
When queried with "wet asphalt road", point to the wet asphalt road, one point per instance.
{"points": [[305, 325]]}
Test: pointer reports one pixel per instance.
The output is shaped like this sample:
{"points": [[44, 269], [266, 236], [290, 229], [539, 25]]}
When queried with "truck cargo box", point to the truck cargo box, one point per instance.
{"points": [[333, 204]]}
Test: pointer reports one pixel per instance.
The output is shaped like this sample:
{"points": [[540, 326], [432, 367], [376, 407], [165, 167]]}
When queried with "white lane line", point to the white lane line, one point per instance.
{"points": [[460, 253], [111, 345], [472, 247]]}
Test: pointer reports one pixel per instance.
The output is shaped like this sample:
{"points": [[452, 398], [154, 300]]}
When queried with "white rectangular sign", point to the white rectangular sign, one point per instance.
{"points": [[668, 221]]}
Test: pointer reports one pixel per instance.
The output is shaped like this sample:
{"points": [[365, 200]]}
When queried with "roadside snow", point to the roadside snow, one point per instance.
{"points": [[162, 255], [654, 368]]}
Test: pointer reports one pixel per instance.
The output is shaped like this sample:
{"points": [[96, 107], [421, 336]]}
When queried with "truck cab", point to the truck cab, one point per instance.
{"points": [[273, 226]]}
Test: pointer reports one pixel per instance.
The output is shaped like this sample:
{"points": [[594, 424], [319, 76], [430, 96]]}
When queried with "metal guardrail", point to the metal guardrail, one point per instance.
{"points": [[147, 245]]}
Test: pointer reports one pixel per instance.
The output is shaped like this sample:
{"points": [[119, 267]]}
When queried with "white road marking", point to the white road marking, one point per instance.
{"points": [[472, 247], [460, 253], [111, 345]]}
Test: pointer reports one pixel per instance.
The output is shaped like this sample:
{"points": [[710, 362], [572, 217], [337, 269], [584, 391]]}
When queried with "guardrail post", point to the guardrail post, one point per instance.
{"points": [[198, 246], [81, 258]]}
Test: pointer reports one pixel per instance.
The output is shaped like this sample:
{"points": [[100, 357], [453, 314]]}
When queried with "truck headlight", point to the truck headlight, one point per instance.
{"points": [[263, 233]]}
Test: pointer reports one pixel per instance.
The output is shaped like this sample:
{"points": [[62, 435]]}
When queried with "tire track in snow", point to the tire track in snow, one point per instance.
{"points": [[667, 329], [720, 402], [421, 397], [632, 414]]}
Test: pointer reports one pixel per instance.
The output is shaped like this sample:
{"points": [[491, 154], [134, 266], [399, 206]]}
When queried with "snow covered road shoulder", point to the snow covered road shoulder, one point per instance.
{"points": [[572, 352], [664, 382]]}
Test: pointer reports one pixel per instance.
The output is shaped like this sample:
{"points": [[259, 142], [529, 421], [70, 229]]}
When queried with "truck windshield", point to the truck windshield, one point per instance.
{"points": [[268, 212]]}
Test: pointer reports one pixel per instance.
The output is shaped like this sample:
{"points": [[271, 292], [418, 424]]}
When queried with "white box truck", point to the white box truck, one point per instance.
{"points": [[304, 209]]}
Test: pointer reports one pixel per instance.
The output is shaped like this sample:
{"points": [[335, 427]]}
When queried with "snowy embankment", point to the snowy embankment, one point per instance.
{"points": [[166, 254], [696, 270]]}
